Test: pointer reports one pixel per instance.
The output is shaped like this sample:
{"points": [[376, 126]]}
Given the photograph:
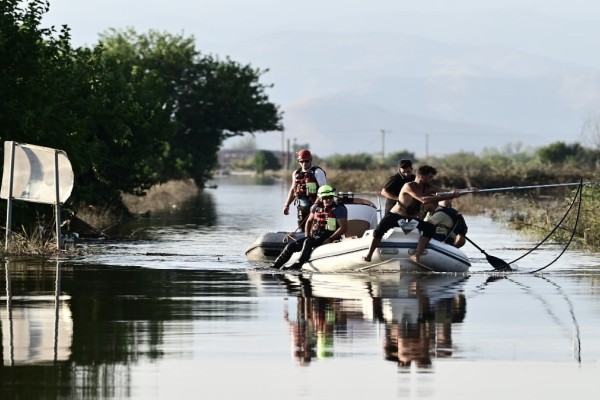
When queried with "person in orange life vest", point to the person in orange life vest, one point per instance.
{"points": [[326, 223], [392, 187], [411, 198], [306, 181]]}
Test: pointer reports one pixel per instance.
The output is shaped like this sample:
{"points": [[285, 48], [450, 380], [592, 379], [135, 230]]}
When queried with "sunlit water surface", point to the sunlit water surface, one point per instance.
{"points": [[180, 313]]}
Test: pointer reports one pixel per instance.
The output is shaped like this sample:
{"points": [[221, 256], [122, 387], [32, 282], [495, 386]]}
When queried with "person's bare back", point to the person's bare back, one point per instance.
{"points": [[410, 199]]}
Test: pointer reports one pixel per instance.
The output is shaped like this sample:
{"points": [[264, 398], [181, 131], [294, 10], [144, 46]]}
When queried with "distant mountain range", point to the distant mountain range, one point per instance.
{"points": [[338, 92]]}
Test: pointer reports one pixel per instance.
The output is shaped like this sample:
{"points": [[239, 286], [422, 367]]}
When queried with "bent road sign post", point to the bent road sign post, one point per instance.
{"points": [[36, 174]]}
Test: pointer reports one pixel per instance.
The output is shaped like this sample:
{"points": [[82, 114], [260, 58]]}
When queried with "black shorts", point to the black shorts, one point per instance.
{"points": [[390, 220]]}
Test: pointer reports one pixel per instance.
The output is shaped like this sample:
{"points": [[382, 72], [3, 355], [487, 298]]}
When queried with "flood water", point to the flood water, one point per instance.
{"points": [[180, 313]]}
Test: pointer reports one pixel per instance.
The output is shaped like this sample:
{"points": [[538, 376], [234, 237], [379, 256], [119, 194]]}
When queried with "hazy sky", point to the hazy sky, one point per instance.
{"points": [[567, 31], [558, 29]]}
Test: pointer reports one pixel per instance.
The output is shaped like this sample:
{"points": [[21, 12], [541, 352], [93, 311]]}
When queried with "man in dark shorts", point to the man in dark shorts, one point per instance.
{"points": [[408, 207]]}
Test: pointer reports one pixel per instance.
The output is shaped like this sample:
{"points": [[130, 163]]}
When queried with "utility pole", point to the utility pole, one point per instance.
{"points": [[427, 146], [287, 156], [284, 155], [383, 131]]}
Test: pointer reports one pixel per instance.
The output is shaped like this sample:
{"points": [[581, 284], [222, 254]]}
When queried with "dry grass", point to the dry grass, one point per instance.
{"points": [[537, 218], [100, 219], [41, 242], [161, 197]]}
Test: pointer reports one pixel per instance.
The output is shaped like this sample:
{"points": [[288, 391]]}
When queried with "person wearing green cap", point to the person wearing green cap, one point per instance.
{"points": [[326, 223]]}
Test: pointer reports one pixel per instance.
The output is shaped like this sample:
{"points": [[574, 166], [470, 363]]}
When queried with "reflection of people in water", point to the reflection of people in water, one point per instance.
{"points": [[422, 329], [418, 320], [313, 329]]}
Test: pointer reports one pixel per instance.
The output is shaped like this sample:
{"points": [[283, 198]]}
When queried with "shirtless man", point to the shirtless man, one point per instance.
{"points": [[411, 197]]}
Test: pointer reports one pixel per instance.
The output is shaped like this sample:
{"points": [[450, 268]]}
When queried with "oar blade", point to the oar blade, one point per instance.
{"points": [[498, 264]]}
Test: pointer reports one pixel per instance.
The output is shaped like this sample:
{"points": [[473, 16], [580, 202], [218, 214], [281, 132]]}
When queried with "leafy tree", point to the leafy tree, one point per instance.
{"points": [[265, 160], [207, 99], [70, 99], [225, 100], [350, 161], [560, 152], [47, 89], [38, 75], [131, 112]]}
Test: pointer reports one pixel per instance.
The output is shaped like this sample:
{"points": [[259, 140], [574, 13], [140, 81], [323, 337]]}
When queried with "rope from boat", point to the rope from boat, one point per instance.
{"points": [[555, 227], [572, 234]]}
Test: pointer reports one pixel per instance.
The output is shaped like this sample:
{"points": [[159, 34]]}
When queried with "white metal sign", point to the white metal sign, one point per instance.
{"points": [[34, 174]]}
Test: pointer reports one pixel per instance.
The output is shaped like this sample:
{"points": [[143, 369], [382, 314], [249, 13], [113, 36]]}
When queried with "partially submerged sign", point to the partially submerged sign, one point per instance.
{"points": [[34, 174], [37, 174]]}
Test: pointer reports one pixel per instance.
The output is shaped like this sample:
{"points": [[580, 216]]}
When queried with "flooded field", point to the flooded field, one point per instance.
{"points": [[180, 313]]}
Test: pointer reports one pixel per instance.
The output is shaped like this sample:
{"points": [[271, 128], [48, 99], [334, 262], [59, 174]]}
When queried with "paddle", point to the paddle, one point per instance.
{"points": [[515, 188], [495, 262]]}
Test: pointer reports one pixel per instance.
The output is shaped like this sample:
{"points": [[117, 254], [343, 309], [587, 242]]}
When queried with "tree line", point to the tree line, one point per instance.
{"points": [[509, 166], [136, 110], [132, 111]]}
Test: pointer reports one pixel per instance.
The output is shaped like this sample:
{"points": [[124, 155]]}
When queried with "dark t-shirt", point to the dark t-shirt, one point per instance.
{"points": [[394, 185]]}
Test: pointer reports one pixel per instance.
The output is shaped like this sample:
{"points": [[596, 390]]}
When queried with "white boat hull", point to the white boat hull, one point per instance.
{"points": [[362, 215], [392, 255]]}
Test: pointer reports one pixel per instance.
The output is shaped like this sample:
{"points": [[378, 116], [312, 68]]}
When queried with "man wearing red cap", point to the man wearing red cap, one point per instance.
{"points": [[306, 181]]}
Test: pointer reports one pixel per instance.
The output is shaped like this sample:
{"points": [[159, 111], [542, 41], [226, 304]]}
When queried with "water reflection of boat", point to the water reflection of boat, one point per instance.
{"points": [[417, 311], [346, 256]]}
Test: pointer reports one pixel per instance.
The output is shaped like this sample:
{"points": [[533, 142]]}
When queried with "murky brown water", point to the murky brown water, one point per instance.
{"points": [[181, 314]]}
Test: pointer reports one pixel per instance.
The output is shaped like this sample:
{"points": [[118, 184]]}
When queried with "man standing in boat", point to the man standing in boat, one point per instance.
{"points": [[326, 223], [306, 181], [392, 187], [408, 207]]}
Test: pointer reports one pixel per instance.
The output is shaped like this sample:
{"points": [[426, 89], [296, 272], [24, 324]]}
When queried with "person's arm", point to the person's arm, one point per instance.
{"points": [[339, 232], [289, 199], [309, 223], [460, 227], [409, 188], [390, 185], [459, 241], [388, 195], [437, 189], [341, 215], [320, 176]]}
